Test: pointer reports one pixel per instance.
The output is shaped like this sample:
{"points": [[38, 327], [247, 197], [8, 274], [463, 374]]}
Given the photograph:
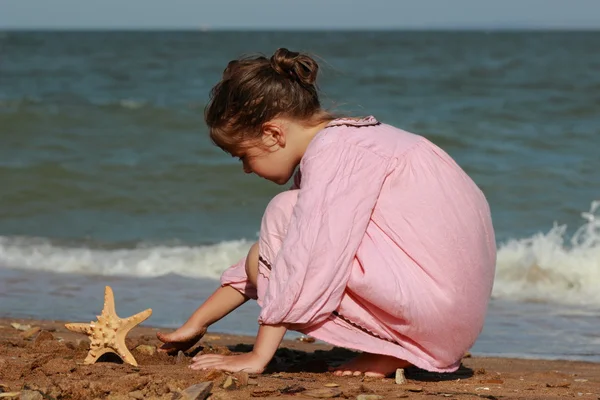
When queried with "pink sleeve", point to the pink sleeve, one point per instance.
{"points": [[235, 276], [340, 186]]}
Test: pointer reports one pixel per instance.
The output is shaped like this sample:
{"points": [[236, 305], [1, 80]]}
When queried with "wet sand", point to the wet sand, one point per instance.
{"points": [[49, 365]]}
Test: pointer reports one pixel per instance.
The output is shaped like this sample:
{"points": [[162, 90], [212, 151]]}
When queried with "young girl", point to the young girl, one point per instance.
{"points": [[383, 245]]}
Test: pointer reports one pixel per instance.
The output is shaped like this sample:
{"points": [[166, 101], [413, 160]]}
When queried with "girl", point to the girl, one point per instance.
{"points": [[383, 245]]}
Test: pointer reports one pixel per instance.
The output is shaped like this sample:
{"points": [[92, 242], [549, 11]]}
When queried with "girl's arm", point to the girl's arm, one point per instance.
{"points": [[224, 300]]}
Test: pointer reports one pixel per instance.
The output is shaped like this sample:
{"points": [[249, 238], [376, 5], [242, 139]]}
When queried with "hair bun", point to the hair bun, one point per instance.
{"points": [[297, 66]]}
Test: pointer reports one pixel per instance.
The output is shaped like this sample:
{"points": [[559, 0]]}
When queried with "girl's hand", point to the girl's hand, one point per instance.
{"points": [[181, 340], [249, 362]]}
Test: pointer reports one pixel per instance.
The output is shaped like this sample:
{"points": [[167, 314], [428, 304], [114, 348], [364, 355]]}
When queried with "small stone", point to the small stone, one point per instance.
{"points": [[331, 385], [400, 378], [136, 394], [199, 391], [306, 339], [213, 375], [173, 388], [146, 349], [497, 381], [467, 355], [241, 378], [42, 337], [228, 384], [20, 327], [31, 395], [558, 385], [252, 382], [368, 397], [264, 392], [323, 393], [9, 395], [412, 388], [30, 332], [293, 389], [180, 357]]}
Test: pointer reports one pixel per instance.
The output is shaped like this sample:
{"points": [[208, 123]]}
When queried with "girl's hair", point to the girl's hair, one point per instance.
{"points": [[255, 90]]}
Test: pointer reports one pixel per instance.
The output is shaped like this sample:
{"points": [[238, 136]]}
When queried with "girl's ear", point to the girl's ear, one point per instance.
{"points": [[273, 134]]}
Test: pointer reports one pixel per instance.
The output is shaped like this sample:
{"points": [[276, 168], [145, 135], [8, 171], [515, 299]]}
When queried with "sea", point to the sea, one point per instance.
{"points": [[108, 177]]}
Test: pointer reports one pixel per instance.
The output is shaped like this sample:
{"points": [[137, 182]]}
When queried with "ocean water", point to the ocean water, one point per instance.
{"points": [[107, 175]]}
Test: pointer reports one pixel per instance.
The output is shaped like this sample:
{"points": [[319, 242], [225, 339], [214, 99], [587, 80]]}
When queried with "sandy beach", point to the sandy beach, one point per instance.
{"points": [[42, 360]]}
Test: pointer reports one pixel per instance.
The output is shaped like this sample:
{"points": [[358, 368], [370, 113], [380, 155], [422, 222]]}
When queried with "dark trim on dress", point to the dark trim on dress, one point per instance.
{"points": [[363, 329], [264, 262], [352, 125]]}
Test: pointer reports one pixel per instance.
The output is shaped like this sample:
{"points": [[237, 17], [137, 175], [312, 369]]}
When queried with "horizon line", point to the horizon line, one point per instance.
{"points": [[207, 29]]}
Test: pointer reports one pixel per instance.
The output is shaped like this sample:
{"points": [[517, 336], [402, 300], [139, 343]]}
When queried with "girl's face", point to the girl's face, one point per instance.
{"points": [[268, 160], [279, 150]]}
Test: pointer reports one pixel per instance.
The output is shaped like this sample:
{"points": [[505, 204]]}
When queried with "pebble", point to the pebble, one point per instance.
{"points": [[31, 395], [241, 378], [291, 389], [497, 381], [412, 388], [20, 327], [400, 378], [43, 336], [146, 349], [558, 385], [9, 395], [369, 397], [322, 393], [228, 383], [136, 394], [180, 357], [199, 391], [264, 392], [30, 332]]}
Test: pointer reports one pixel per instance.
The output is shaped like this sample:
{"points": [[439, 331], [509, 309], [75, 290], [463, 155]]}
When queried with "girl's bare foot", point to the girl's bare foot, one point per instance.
{"points": [[182, 339], [369, 364]]}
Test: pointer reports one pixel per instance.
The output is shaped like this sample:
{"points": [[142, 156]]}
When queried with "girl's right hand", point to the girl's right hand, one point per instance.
{"points": [[181, 340]]}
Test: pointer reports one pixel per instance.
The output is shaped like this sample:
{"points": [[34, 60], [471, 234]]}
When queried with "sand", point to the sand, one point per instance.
{"points": [[48, 364]]}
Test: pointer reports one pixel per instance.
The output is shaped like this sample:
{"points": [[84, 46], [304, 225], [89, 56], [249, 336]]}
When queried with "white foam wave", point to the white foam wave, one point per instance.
{"points": [[547, 267], [551, 267], [132, 104], [142, 261]]}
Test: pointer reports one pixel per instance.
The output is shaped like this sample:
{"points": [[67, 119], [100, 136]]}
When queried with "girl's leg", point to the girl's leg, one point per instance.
{"points": [[252, 264], [273, 231]]}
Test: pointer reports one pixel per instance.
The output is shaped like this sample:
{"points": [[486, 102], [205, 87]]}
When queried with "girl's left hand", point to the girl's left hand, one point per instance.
{"points": [[249, 362]]}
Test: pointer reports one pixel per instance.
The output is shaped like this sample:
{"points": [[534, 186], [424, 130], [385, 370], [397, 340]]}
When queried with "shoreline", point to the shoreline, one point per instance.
{"points": [[50, 361]]}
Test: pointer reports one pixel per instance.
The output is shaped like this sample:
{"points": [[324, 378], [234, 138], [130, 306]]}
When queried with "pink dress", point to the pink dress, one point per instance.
{"points": [[385, 245]]}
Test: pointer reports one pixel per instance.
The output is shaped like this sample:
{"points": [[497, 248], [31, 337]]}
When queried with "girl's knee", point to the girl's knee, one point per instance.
{"points": [[279, 212]]}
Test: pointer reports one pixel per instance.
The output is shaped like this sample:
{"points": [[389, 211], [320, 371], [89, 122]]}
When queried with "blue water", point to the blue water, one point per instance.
{"points": [[107, 175]]}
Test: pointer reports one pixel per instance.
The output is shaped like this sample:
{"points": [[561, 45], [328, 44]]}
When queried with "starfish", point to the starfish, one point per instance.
{"points": [[109, 332]]}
